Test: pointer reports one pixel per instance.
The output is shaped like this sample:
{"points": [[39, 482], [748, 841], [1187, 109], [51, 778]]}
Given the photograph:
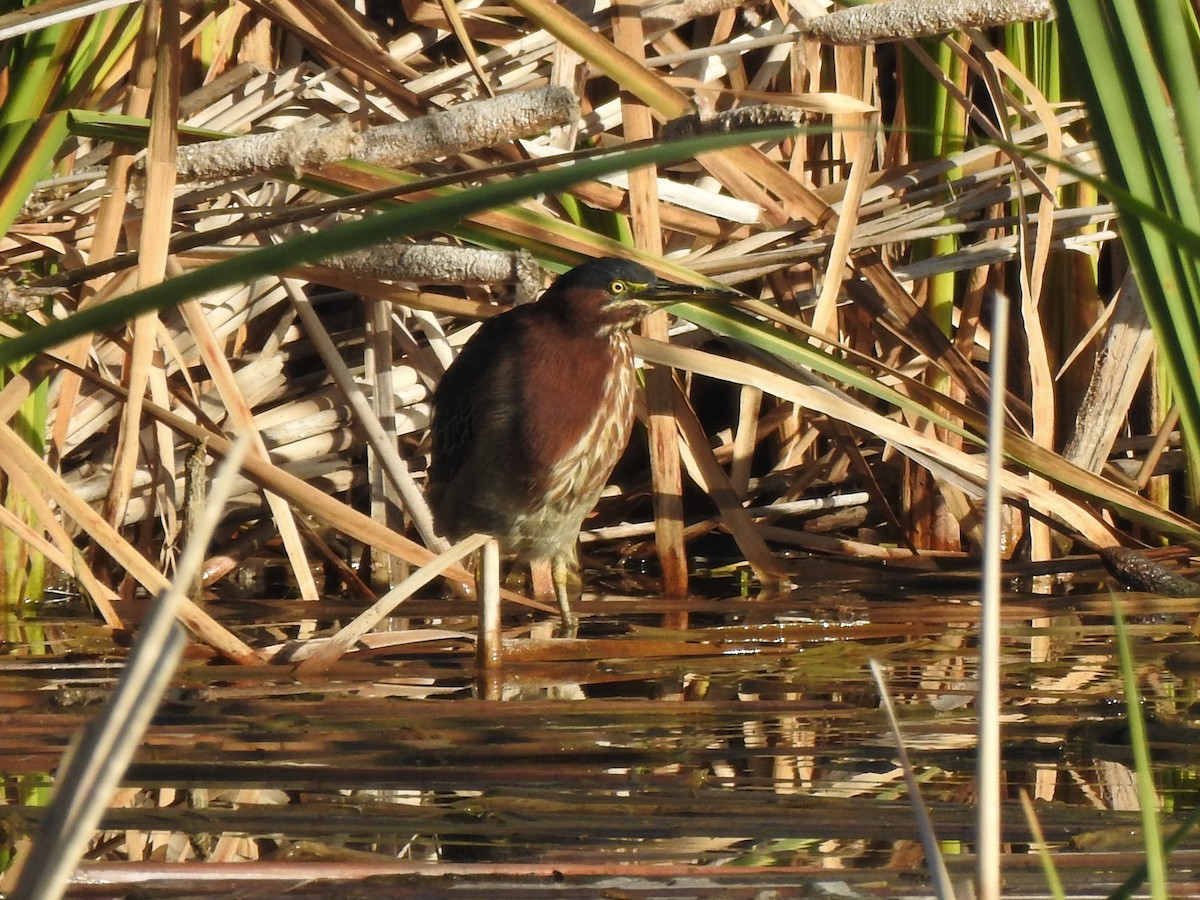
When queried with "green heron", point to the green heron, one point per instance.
{"points": [[531, 418]]}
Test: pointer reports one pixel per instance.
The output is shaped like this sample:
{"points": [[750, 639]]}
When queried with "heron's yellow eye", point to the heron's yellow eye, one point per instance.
{"points": [[618, 287]]}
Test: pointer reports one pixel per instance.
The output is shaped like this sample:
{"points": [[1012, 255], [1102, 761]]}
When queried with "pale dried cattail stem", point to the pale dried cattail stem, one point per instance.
{"points": [[902, 19], [466, 127], [257, 154], [469, 126], [743, 118], [672, 15], [444, 264], [16, 299]]}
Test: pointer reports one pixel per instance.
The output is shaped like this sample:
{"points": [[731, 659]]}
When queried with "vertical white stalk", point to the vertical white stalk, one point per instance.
{"points": [[488, 651], [987, 773]]}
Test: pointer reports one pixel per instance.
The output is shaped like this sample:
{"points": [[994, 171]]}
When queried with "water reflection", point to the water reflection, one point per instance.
{"points": [[710, 731]]}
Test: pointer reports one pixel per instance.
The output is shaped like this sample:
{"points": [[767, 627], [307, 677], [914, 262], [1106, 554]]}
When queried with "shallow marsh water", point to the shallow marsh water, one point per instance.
{"points": [[707, 747]]}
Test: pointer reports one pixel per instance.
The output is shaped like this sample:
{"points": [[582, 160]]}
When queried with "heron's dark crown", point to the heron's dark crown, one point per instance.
{"points": [[599, 274]]}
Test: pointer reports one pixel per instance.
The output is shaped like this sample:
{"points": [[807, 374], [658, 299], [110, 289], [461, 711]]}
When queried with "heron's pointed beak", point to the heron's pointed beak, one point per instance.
{"points": [[665, 293]]}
